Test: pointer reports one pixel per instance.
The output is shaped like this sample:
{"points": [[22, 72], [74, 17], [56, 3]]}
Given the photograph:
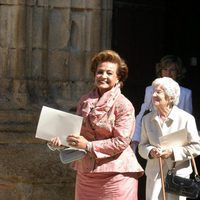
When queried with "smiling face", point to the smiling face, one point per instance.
{"points": [[106, 76], [159, 98]]}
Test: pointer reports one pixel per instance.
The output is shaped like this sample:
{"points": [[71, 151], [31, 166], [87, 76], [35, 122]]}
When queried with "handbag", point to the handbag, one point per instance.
{"points": [[189, 188], [68, 155]]}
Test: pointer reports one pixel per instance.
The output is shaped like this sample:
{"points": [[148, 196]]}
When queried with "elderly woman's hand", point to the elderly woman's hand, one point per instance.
{"points": [[167, 153], [155, 153], [163, 153]]}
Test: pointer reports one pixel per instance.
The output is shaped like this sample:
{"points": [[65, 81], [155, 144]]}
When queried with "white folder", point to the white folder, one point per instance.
{"points": [[57, 123], [177, 138]]}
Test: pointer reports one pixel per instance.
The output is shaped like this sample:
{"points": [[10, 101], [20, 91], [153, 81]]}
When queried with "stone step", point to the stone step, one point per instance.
{"points": [[18, 120]]}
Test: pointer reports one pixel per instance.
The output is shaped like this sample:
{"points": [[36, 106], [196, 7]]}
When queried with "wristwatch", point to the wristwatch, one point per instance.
{"points": [[88, 146]]}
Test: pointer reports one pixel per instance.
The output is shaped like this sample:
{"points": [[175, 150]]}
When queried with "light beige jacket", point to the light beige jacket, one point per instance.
{"points": [[151, 131]]}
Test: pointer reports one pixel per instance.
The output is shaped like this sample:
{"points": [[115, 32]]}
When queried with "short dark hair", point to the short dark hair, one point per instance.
{"points": [[113, 57]]}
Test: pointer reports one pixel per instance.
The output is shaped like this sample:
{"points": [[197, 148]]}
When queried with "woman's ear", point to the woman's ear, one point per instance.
{"points": [[116, 82], [171, 100]]}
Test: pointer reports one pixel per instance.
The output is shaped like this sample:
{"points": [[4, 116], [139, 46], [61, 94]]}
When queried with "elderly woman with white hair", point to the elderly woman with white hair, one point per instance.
{"points": [[165, 119]]}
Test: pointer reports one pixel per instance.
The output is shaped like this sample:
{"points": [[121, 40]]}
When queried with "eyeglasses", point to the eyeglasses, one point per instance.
{"points": [[158, 92]]}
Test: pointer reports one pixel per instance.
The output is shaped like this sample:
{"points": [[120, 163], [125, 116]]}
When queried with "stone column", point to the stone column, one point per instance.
{"points": [[45, 52]]}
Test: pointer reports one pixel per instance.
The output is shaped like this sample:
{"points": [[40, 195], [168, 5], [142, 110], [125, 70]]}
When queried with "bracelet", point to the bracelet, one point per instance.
{"points": [[88, 146]]}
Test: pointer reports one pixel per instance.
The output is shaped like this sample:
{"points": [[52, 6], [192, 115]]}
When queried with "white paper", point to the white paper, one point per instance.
{"points": [[178, 138], [57, 123]]}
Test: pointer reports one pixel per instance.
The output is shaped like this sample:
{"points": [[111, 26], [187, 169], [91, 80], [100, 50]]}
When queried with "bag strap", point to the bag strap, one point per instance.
{"points": [[193, 163]]}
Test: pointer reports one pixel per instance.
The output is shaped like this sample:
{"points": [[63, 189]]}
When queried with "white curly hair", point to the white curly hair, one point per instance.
{"points": [[170, 87]]}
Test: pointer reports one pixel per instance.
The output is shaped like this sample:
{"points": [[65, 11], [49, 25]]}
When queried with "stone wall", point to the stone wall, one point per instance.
{"points": [[45, 51]]}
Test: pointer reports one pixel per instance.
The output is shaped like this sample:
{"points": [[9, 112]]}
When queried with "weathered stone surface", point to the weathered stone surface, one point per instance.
{"points": [[45, 52], [57, 69], [55, 3], [27, 170], [12, 32], [17, 121], [59, 29], [33, 162], [17, 2], [39, 34], [26, 191], [86, 4]]}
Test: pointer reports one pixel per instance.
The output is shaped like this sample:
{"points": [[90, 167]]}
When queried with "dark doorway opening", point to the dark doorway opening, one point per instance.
{"points": [[143, 32]]}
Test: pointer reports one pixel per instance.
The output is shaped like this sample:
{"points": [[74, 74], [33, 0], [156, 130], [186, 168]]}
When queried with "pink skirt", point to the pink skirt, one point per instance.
{"points": [[106, 186]]}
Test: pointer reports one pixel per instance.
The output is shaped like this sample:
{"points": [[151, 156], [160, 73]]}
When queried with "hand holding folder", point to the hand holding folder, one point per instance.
{"points": [[57, 123]]}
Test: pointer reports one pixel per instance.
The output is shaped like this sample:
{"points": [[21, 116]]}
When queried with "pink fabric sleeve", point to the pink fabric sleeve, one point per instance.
{"points": [[122, 132]]}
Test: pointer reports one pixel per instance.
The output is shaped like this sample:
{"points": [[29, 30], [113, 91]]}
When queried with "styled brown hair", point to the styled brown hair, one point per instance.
{"points": [[167, 61], [113, 57]]}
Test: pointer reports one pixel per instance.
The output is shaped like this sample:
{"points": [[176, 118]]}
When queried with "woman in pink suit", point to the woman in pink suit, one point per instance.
{"points": [[110, 169]]}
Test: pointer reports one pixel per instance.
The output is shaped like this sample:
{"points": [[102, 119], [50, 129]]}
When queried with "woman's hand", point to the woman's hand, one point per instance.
{"points": [[77, 141], [155, 153], [163, 153], [55, 142], [166, 153]]}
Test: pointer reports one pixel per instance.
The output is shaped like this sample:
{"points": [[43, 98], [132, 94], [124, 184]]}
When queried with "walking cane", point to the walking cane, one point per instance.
{"points": [[162, 178]]}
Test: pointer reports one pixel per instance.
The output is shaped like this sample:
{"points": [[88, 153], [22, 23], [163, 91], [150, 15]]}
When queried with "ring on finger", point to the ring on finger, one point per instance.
{"points": [[74, 143]]}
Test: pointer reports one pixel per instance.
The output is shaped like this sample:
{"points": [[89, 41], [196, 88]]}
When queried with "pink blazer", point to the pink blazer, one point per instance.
{"points": [[108, 123]]}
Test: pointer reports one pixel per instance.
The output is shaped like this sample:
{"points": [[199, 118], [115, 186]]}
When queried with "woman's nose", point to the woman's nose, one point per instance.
{"points": [[104, 75], [154, 94], [168, 72]]}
